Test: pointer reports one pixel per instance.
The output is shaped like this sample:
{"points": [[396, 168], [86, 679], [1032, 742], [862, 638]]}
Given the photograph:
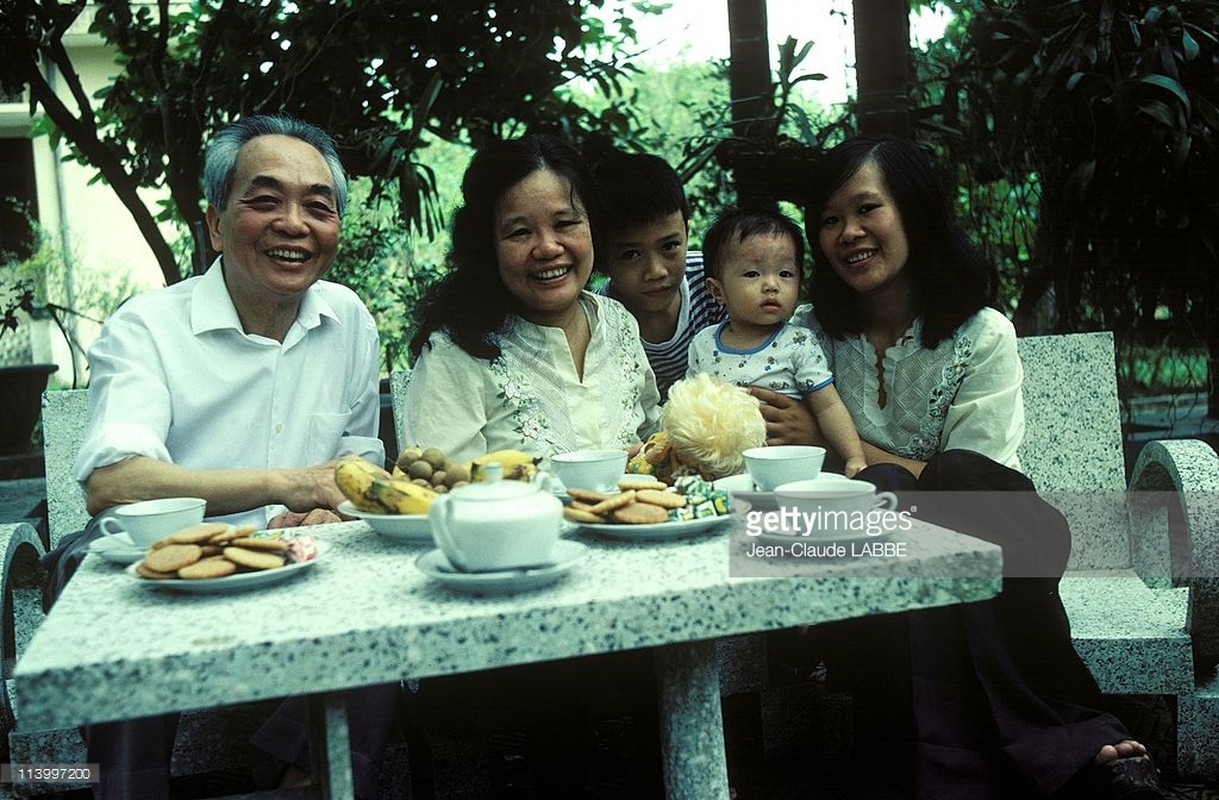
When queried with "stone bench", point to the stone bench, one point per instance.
{"points": [[1141, 589]]}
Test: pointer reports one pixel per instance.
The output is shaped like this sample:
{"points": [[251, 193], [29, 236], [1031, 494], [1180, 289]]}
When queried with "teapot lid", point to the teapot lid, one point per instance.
{"points": [[495, 487]]}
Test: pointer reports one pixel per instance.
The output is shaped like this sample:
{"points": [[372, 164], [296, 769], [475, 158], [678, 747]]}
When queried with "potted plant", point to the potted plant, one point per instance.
{"points": [[22, 382]]}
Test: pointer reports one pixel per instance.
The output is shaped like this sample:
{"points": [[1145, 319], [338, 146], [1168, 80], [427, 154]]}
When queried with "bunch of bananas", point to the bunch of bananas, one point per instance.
{"points": [[369, 490], [517, 465]]}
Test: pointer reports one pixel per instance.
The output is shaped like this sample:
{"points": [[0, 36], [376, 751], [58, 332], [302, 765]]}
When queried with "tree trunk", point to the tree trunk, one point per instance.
{"points": [[882, 66], [751, 88]]}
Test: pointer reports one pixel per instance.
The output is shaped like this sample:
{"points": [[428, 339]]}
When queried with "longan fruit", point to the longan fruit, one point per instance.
{"points": [[408, 455], [433, 456]]}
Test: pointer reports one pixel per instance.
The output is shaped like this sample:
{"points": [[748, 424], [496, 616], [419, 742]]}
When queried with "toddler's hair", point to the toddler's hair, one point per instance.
{"points": [[737, 224]]}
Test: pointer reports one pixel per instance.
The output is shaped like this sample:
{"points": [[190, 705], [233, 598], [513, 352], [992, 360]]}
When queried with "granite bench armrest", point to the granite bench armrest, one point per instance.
{"points": [[21, 593], [1173, 502]]}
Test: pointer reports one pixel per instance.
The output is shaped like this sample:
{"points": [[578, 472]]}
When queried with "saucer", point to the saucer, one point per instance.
{"points": [[742, 487], [117, 548], [567, 554]]}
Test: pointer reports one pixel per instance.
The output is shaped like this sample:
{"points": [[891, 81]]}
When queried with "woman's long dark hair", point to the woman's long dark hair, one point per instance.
{"points": [[471, 302], [951, 279]]}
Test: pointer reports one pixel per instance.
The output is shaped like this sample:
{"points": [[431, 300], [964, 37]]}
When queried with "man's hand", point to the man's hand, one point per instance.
{"points": [[310, 488], [297, 519], [788, 421]]}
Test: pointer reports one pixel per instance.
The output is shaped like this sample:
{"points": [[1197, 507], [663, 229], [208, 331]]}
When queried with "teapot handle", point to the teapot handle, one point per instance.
{"points": [[440, 514]]}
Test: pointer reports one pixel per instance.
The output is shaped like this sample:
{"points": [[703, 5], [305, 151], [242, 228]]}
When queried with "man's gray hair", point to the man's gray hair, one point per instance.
{"points": [[220, 163]]}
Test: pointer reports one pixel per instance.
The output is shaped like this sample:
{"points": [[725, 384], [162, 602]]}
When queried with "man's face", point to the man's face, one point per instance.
{"points": [[279, 228], [646, 265]]}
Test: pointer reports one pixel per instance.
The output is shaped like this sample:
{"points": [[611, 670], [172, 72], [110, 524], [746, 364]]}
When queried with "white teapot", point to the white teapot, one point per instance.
{"points": [[497, 524]]}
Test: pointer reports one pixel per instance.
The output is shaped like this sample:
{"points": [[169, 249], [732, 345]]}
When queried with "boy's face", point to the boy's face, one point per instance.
{"points": [[646, 265], [758, 281]]}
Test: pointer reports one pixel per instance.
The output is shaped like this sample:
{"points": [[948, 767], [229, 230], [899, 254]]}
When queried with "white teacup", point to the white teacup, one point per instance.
{"points": [[835, 507], [772, 466], [149, 520], [597, 470]]}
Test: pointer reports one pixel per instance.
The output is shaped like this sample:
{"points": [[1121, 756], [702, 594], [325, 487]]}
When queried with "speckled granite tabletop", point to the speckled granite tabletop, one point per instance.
{"points": [[364, 614]]}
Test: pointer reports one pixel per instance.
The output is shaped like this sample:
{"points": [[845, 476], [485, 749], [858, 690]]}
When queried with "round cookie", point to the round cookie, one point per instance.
{"points": [[264, 545], [640, 483], [231, 533], [581, 515], [587, 495], [613, 502], [253, 559], [197, 534], [639, 514], [172, 557], [662, 499], [214, 567], [152, 574]]}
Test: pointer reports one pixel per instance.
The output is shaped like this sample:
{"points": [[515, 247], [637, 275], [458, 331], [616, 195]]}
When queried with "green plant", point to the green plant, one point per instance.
{"points": [[40, 287], [375, 259]]}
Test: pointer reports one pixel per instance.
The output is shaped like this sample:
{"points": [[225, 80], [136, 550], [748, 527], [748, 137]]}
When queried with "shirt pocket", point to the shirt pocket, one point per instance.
{"points": [[325, 433]]}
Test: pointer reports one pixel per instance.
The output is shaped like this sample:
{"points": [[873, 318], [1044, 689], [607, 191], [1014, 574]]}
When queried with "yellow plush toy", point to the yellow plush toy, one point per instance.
{"points": [[707, 425]]}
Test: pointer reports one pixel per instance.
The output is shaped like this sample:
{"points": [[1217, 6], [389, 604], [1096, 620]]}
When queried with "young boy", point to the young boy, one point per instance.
{"points": [[753, 270], [641, 247]]}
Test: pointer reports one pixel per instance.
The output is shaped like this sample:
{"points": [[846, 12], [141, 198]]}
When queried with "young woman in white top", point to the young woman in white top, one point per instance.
{"points": [[987, 700]]}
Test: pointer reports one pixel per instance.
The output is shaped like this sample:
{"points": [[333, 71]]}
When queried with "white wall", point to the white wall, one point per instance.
{"points": [[103, 247]]}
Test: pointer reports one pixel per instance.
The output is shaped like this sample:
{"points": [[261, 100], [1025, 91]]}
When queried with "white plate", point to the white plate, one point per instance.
{"points": [[239, 582], [437, 567], [116, 548], [659, 531], [412, 528]]}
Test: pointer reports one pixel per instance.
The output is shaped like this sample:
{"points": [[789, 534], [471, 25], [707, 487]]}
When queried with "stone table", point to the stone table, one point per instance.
{"points": [[116, 648]]}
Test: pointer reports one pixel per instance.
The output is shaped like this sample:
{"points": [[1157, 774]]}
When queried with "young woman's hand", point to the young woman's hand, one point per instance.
{"points": [[788, 421]]}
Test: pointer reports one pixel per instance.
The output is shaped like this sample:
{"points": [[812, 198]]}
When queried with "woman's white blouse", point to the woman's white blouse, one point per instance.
{"points": [[962, 395], [530, 398]]}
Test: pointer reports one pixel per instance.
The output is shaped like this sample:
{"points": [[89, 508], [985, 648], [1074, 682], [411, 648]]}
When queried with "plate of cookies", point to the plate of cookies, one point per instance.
{"points": [[651, 512], [214, 557]]}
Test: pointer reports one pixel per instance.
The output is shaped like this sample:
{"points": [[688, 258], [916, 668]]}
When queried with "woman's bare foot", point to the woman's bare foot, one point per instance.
{"points": [[294, 778], [1127, 748]]}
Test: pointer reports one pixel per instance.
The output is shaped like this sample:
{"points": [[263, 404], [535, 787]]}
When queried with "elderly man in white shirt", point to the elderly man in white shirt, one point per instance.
{"points": [[241, 386]]}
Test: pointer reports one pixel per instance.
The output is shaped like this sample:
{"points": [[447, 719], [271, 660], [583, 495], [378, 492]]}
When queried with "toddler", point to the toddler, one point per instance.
{"points": [[753, 269]]}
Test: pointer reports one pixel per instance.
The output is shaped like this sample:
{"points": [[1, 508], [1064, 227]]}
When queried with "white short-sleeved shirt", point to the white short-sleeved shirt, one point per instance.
{"points": [[698, 310], [174, 377], [962, 395], [530, 397], [790, 361]]}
